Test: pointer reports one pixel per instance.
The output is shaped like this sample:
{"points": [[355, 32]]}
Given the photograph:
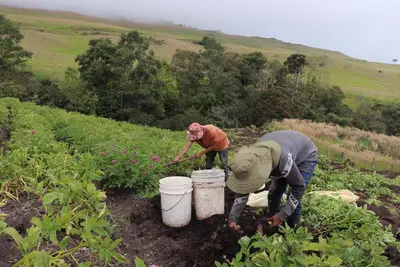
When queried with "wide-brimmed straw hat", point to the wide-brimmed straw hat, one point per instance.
{"points": [[251, 167]]}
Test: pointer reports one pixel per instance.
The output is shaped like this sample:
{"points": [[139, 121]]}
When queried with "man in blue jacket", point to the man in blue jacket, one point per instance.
{"points": [[288, 158]]}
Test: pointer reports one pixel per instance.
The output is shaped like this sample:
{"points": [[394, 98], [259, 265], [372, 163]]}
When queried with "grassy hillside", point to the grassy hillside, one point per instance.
{"points": [[340, 143], [56, 38]]}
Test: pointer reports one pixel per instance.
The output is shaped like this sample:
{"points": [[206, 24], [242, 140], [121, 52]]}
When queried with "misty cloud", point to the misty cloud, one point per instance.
{"points": [[364, 29]]}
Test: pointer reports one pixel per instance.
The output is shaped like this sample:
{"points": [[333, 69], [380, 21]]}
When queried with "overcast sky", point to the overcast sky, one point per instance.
{"points": [[363, 29]]}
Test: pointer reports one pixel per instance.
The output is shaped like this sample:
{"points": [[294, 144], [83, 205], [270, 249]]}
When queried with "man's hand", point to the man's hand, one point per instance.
{"points": [[198, 155], [176, 159], [235, 227], [274, 221]]}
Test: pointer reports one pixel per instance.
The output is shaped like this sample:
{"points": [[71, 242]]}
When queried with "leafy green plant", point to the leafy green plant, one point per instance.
{"points": [[372, 185], [294, 248], [129, 156], [341, 234], [75, 214]]}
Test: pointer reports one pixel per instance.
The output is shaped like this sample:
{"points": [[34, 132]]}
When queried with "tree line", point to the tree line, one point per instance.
{"points": [[125, 81]]}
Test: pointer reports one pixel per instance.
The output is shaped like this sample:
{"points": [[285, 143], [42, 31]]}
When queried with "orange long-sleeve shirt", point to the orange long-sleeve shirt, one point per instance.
{"points": [[213, 136]]}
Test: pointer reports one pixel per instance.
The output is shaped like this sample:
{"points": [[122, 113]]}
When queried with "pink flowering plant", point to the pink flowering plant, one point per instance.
{"points": [[130, 156], [127, 166]]}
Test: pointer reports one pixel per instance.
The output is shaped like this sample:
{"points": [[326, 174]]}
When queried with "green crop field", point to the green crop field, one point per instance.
{"points": [[56, 38], [78, 190]]}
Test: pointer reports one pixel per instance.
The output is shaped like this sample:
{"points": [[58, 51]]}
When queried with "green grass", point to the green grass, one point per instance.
{"points": [[56, 38], [331, 154]]}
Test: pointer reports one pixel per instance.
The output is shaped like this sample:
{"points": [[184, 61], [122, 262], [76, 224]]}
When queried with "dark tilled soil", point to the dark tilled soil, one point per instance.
{"points": [[387, 218], [396, 189], [4, 137], [244, 136], [387, 174], [200, 243], [19, 216], [139, 222]]}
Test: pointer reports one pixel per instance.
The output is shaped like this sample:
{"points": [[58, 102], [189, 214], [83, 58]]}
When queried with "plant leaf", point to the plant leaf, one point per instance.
{"points": [[139, 262], [42, 259], [36, 221], [53, 237], [40, 186], [49, 198], [103, 211], [14, 234], [91, 188], [64, 199], [102, 195], [3, 225], [333, 261], [64, 242], [118, 257], [244, 241]]}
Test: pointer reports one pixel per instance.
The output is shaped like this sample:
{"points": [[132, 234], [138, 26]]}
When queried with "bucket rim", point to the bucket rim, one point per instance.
{"points": [[206, 171], [185, 181]]}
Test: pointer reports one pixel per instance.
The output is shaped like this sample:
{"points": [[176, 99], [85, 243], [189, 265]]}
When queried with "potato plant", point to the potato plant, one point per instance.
{"points": [[338, 233], [58, 156], [294, 248], [372, 185], [75, 214], [129, 156]]}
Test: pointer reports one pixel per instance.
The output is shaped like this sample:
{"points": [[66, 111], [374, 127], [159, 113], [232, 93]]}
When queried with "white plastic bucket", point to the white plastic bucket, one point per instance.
{"points": [[176, 200], [209, 193]]}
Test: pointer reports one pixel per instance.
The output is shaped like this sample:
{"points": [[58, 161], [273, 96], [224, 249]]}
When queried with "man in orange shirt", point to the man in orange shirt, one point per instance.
{"points": [[213, 139]]}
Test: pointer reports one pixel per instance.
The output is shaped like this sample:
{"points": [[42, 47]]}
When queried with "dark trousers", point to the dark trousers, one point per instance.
{"points": [[223, 157], [307, 170]]}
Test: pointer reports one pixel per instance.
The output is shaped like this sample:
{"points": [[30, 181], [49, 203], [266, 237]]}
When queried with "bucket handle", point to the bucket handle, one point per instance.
{"points": [[176, 202]]}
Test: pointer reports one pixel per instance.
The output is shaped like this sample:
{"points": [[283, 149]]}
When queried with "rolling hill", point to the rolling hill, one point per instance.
{"points": [[57, 37]]}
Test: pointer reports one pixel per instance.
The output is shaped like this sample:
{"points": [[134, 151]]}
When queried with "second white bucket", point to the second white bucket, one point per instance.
{"points": [[176, 200], [209, 192]]}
